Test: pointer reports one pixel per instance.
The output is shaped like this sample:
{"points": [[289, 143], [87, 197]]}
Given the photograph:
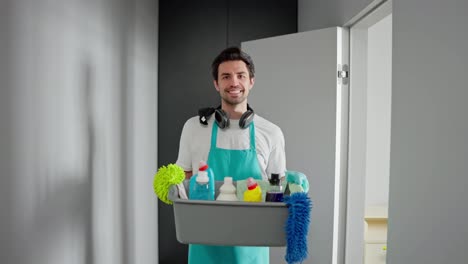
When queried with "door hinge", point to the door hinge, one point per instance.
{"points": [[343, 74]]}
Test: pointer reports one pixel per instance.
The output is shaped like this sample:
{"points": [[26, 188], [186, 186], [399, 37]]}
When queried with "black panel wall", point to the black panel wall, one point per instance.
{"points": [[256, 19], [191, 34]]}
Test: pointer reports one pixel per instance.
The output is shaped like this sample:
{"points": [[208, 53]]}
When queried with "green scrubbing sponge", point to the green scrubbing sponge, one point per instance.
{"points": [[167, 176]]}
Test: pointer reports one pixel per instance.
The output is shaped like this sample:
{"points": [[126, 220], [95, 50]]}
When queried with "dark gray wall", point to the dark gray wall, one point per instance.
{"points": [[191, 34], [250, 20]]}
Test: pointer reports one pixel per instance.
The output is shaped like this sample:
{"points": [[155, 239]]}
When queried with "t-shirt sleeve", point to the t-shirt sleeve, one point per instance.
{"points": [[184, 158], [277, 159]]}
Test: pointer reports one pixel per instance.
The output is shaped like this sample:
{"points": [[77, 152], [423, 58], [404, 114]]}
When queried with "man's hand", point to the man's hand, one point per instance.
{"points": [[188, 174]]}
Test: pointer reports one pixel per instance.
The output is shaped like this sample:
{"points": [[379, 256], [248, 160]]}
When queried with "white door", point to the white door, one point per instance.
{"points": [[297, 87]]}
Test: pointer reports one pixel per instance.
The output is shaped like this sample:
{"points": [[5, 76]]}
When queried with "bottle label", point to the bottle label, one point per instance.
{"points": [[274, 197]]}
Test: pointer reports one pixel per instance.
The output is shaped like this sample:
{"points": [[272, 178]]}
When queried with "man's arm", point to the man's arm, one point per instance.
{"points": [[277, 157], [184, 159]]}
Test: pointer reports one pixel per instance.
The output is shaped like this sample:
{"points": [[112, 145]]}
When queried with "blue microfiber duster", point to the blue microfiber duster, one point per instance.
{"points": [[297, 227]]}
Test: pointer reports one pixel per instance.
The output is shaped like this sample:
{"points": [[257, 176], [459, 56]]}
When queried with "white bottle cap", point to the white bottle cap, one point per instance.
{"points": [[227, 179], [202, 177]]}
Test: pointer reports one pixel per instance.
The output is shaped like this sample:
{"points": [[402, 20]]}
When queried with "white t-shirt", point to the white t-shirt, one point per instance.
{"points": [[195, 144]]}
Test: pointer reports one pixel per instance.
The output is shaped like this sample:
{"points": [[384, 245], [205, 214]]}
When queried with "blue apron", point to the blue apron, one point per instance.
{"points": [[239, 164]]}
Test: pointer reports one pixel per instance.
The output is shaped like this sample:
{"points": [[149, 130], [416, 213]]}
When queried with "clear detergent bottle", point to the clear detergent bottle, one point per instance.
{"points": [[275, 193], [202, 184], [227, 192], [253, 192]]}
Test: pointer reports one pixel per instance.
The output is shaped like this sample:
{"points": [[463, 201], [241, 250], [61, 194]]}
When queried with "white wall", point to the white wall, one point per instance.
{"points": [[71, 123], [308, 123], [379, 93], [142, 134], [331, 13], [428, 204]]}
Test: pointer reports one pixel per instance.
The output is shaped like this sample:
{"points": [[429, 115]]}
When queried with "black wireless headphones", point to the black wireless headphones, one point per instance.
{"points": [[222, 118]]}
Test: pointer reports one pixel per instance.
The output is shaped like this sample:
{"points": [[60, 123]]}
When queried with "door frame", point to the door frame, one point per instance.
{"points": [[355, 209]]}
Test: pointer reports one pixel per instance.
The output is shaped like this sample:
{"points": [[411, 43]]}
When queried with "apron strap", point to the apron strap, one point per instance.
{"points": [[252, 135], [214, 135]]}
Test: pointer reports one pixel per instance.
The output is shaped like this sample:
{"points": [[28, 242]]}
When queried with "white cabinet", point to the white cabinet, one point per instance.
{"points": [[375, 235], [375, 253]]}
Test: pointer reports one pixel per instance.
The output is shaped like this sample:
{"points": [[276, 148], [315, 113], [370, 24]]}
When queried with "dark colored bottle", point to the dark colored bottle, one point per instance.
{"points": [[275, 193]]}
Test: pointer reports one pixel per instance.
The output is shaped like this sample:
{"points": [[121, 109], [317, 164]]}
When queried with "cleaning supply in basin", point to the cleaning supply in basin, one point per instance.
{"points": [[202, 184], [203, 166], [290, 188], [298, 178], [253, 192], [241, 187], [287, 190], [297, 227], [201, 189], [165, 177], [275, 192], [227, 191]]}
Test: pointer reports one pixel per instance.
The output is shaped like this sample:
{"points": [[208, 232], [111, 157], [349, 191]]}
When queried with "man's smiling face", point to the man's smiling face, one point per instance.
{"points": [[234, 82]]}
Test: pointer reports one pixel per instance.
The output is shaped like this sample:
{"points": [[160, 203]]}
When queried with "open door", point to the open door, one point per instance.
{"points": [[301, 85]]}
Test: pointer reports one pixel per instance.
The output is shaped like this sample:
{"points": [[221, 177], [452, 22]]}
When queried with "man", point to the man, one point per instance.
{"points": [[235, 143]]}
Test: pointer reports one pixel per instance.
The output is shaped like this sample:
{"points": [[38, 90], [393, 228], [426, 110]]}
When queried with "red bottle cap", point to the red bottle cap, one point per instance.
{"points": [[251, 183], [202, 166]]}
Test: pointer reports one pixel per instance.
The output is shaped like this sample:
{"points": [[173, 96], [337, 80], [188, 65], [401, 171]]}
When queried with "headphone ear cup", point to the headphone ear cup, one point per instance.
{"points": [[221, 118], [246, 119]]}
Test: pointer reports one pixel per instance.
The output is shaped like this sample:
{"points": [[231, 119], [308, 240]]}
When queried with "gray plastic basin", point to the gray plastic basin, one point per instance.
{"points": [[229, 223]]}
